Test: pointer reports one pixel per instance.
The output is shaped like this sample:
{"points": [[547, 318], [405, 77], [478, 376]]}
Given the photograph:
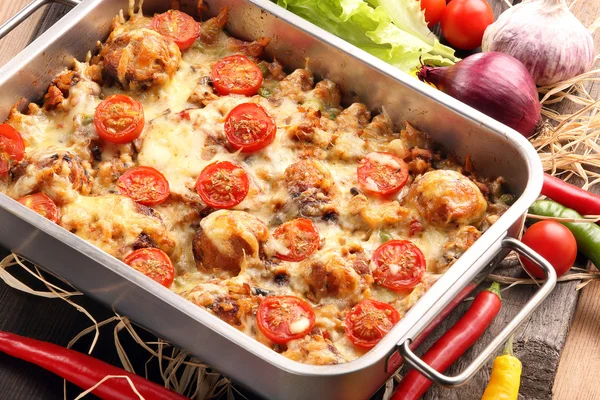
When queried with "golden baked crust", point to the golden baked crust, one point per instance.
{"points": [[225, 260]]}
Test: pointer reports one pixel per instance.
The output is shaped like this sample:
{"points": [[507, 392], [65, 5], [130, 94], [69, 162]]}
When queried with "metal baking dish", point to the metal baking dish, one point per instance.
{"points": [[494, 148]]}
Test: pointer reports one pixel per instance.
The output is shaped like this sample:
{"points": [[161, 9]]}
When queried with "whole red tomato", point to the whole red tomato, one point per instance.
{"points": [[433, 11], [554, 242], [465, 21]]}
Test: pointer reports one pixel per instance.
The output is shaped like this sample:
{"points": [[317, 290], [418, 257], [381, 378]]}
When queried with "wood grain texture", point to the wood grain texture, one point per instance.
{"points": [[576, 378], [577, 374], [538, 343]]}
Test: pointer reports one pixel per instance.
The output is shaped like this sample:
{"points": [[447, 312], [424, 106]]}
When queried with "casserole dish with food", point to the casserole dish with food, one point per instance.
{"points": [[123, 297]]}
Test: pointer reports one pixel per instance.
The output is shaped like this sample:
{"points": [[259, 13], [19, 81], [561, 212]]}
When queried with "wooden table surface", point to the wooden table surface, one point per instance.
{"points": [[573, 378]]}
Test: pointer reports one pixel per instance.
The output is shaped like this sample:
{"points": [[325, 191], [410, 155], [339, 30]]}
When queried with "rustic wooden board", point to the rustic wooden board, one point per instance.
{"points": [[538, 343]]}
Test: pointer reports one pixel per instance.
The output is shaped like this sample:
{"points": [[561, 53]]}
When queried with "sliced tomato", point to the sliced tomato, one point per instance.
{"points": [[41, 204], [399, 265], [300, 237], [154, 263], [382, 173], [237, 75], [119, 119], [248, 127], [284, 318], [12, 147], [177, 26], [223, 184], [145, 185], [369, 321]]}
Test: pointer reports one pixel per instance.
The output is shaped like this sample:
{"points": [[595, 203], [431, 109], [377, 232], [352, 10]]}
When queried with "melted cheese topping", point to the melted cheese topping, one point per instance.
{"points": [[181, 138]]}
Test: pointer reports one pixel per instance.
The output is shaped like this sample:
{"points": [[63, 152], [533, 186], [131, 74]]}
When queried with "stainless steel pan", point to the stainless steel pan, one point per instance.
{"points": [[495, 150]]}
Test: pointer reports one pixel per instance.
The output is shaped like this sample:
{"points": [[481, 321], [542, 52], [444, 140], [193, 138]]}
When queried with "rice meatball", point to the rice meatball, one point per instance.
{"points": [[447, 198], [141, 58], [315, 350], [331, 275], [61, 174], [230, 301], [312, 188], [226, 239]]}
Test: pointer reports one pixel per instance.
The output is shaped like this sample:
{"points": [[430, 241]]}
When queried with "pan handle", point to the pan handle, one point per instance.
{"points": [[453, 381], [29, 9]]}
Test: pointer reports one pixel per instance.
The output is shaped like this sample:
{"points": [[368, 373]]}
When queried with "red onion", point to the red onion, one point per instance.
{"points": [[494, 83]]}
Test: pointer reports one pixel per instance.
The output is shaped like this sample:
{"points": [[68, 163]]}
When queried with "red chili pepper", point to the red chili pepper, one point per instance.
{"points": [[82, 370], [442, 316], [571, 196], [453, 343]]}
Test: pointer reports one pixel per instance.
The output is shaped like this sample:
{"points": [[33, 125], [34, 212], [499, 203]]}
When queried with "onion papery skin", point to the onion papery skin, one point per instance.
{"points": [[494, 83], [546, 37]]}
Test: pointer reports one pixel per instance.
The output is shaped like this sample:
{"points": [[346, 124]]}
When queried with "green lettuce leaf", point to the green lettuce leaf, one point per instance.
{"points": [[392, 30]]}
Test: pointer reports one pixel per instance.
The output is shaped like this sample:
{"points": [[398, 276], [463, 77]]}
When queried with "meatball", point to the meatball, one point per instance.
{"points": [[312, 188], [226, 239], [212, 29], [315, 350], [353, 118], [328, 93], [116, 224], [141, 58], [59, 173], [459, 242], [230, 301], [203, 93], [373, 215], [310, 129], [331, 275], [296, 85], [447, 198]]}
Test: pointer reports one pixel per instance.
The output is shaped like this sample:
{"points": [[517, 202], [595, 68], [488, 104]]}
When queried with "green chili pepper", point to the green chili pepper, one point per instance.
{"points": [[587, 234], [313, 103], [264, 92], [264, 69], [507, 198], [87, 119], [384, 236]]}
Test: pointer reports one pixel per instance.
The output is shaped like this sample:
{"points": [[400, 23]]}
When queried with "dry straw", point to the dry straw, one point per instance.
{"points": [[179, 371]]}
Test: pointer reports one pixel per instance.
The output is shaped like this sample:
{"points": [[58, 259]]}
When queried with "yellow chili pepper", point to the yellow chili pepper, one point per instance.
{"points": [[505, 378]]}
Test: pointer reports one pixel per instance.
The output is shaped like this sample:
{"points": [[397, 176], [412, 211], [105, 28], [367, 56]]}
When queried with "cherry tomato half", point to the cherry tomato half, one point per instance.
{"points": [[237, 75], [12, 147], [382, 173], [41, 204], [433, 11], [177, 26], [300, 236], [369, 321], [554, 242], [119, 119], [248, 127], [154, 263], [222, 184], [465, 21], [284, 318], [399, 265], [145, 185]]}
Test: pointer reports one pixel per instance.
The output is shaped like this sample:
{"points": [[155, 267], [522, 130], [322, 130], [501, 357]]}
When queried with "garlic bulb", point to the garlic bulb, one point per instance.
{"points": [[546, 37]]}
